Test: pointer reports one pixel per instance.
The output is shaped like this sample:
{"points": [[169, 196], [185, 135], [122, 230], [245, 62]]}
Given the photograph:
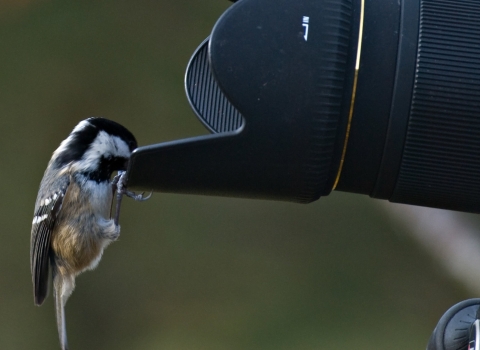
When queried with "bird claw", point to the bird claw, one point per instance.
{"points": [[116, 178], [137, 197], [118, 184], [119, 181]]}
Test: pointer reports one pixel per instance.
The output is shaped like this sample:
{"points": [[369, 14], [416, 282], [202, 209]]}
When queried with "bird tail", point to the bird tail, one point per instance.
{"points": [[63, 288]]}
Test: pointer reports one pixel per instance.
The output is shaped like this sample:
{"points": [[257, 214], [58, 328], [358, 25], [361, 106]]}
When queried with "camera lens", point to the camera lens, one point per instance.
{"points": [[378, 97], [394, 100]]}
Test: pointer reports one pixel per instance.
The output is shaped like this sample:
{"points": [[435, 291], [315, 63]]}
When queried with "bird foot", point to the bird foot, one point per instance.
{"points": [[138, 197], [119, 187]]}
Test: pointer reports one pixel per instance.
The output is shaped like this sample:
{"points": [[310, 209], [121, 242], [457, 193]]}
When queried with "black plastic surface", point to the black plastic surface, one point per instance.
{"points": [[401, 100], [294, 92], [441, 159]]}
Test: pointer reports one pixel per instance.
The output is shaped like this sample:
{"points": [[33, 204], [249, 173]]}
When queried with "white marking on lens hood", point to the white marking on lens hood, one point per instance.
{"points": [[306, 21]]}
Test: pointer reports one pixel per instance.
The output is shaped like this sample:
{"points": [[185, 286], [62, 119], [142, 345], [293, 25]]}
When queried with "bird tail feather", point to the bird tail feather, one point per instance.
{"points": [[60, 301]]}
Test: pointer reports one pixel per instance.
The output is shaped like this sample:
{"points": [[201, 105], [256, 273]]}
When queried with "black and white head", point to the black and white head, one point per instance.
{"points": [[95, 148]]}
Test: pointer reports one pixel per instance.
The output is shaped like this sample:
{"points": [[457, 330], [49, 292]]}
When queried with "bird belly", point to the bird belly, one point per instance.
{"points": [[75, 249], [78, 238]]}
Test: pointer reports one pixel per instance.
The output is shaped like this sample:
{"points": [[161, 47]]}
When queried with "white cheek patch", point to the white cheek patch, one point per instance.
{"points": [[104, 145], [101, 146], [121, 148], [39, 218]]}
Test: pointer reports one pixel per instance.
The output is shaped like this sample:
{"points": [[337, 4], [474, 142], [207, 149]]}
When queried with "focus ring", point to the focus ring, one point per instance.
{"points": [[441, 159]]}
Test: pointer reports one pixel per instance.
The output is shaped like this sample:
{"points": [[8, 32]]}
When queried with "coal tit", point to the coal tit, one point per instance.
{"points": [[71, 224]]}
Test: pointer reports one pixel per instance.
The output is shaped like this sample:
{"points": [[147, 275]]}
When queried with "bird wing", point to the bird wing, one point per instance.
{"points": [[46, 213]]}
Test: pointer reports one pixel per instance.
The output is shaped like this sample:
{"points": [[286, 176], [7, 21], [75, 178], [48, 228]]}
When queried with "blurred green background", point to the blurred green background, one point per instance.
{"points": [[188, 272]]}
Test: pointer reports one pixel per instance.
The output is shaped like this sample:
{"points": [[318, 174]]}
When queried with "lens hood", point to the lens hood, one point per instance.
{"points": [[274, 82]]}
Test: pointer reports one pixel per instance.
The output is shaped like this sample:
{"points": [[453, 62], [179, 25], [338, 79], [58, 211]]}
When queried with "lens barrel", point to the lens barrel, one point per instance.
{"points": [[441, 158], [432, 141]]}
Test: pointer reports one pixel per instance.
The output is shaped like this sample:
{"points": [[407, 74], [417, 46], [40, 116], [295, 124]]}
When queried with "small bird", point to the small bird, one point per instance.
{"points": [[71, 225]]}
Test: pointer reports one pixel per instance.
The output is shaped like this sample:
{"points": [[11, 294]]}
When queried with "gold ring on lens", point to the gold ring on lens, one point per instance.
{"points": [[352, 101]]}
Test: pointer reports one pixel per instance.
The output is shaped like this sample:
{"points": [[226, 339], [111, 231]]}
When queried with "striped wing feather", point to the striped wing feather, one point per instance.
{"points": [[42, 227]]}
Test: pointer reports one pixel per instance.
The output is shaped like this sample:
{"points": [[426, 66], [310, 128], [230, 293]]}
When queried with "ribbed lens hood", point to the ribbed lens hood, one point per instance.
{"points": [[275, 82]]}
